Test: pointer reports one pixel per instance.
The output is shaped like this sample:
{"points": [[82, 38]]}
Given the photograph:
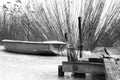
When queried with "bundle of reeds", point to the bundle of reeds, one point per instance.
{"points": [[40, 20]]}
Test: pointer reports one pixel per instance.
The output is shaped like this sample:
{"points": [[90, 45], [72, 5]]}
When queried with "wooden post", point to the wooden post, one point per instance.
{"points": [[80, 36]]}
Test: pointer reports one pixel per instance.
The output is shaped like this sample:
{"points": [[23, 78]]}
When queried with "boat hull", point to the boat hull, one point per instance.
{"points": [[33, 47]]}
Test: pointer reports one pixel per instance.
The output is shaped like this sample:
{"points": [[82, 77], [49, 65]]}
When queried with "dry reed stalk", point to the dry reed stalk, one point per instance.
{"points": [[51, 19]]}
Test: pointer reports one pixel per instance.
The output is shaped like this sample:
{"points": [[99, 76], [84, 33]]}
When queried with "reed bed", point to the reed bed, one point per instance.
{"points": [[40, 20]]}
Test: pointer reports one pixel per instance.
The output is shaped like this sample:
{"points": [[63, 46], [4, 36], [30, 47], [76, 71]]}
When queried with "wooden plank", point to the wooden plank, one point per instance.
{"points": [[83, 67], [112, 69]]}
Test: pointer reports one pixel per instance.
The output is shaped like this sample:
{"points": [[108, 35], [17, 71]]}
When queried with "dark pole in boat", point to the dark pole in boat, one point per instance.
{"points": [[28, 30], [80, 36]]}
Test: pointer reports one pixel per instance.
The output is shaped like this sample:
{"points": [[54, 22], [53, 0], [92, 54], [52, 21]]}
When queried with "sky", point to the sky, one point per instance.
{"points": [[4, 1], [12, 1], [108, 2]]}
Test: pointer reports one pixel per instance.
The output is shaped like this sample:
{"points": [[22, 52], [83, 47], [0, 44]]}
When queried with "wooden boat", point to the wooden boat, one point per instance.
{"points": [[32, 47]]}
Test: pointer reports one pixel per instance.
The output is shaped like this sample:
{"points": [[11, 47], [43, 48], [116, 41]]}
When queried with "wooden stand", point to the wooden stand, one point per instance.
{"points": [[108, 66], [80, 68]]}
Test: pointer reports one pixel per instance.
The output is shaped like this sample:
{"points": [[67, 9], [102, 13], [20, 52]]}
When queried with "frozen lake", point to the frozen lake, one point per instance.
{"points": [[14, 66]]}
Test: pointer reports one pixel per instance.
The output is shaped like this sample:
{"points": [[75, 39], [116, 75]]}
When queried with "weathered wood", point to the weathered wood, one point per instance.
{"points": [[34, 47], [112, 69], [60, 71], [83, 67]]}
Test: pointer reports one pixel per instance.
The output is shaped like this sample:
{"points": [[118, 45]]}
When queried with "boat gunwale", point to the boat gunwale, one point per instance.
{"points": [[33, 42]]}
